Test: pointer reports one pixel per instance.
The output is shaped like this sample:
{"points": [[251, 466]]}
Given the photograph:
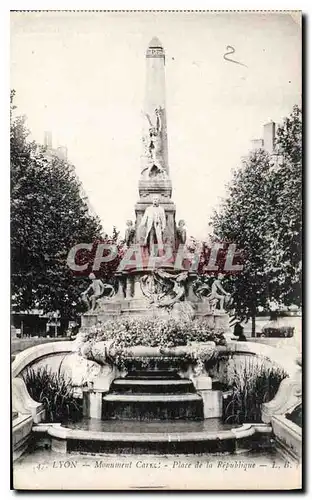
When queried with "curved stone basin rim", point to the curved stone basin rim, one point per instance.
{"points": [[65, 433], [209, 348]]}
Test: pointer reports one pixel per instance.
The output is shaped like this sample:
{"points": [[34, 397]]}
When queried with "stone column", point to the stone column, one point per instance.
{"points": [[129, 287], [120, 292], [212, 400], [92, 404], [137, 289]]}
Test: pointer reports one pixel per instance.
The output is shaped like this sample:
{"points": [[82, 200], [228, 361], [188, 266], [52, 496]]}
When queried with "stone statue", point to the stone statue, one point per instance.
{"points": [[154, 135], [150, 288], [166, 291], [218, 294], [155, 170], [201, 287], [177, 291], [154, 146], [162, 288], [181, 232], [173, 299], [212, 296], [130, 233], [154, 220], [94, 291]]}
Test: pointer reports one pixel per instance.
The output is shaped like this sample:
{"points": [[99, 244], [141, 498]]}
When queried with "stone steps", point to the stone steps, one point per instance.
{"points": [[154, 374], [146, 386], [151, 398], [152, 407], [152, 395]]}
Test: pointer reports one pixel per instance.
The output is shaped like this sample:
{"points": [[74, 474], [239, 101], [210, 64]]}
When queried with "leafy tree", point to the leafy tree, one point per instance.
{"points": [[262, 215], [48, 217], [286, 180], [114, 246]]}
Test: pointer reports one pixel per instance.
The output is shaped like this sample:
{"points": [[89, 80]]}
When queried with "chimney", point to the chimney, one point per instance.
{"points": [[269, 137], [48, 139]]}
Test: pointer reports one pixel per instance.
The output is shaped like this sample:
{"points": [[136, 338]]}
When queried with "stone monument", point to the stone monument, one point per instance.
{"points": [[154, 289], [159, 286]]}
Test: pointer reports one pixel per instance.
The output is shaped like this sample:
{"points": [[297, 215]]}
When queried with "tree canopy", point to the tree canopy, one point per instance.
{"points": [[262, 215], [48, 217]]}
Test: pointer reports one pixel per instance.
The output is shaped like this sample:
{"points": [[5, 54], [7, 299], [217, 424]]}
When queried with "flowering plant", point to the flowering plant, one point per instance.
{"points": [[128, 332], [121, 334]]}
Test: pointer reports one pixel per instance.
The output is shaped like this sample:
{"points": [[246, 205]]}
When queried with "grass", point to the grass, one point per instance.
{"points": [[55, 392], [251, 385]]}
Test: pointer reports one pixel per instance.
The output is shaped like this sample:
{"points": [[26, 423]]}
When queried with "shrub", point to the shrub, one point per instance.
{"points": [[151, 332], [251, 386], [55, 392]]}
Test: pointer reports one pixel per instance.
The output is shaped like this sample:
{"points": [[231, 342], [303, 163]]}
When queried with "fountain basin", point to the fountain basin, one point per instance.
{"points": [[104, 351], [185, 437], [179, 351], [141, 357]]}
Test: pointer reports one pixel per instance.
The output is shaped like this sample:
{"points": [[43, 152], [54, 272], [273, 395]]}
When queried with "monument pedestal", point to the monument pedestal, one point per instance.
{"points": [[212, 400], [92, 403], [212, 403], [138, 305], [88, 320]]}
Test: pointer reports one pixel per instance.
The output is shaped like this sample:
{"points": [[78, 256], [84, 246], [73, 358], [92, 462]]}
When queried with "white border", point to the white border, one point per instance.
{"points": [[305, 6]]}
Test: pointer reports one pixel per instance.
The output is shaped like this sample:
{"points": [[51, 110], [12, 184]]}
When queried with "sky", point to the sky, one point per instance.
{"points": [[81, 75]]}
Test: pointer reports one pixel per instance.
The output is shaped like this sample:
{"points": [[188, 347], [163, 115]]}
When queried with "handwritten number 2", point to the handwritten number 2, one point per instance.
{"points": [[231, 50], [229, 53]]}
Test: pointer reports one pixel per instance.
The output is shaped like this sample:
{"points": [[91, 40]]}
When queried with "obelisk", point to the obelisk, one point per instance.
{"points": [[154, 175], [154, 110]]}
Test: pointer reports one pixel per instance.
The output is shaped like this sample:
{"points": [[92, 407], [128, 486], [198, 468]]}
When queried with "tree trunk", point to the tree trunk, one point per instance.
{"points": [[253, 325]]}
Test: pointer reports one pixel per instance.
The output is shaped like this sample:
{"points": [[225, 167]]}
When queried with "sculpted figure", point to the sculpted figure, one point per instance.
{"points": [[212, 296], [154, 146], [218, 293], [201, 287], [181, 232], [154, 134], [177, 291], [130, 233], [149, 288], [94, 291], [164, 289], [154, 220], [173, 299]]}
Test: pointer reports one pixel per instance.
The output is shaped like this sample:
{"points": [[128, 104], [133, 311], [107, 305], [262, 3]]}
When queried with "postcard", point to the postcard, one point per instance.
{"points": [[156, 250]]}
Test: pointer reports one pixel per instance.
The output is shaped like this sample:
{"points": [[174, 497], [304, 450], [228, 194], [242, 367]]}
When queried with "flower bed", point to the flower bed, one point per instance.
{"points": [[151, 341], [158, 332]]}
